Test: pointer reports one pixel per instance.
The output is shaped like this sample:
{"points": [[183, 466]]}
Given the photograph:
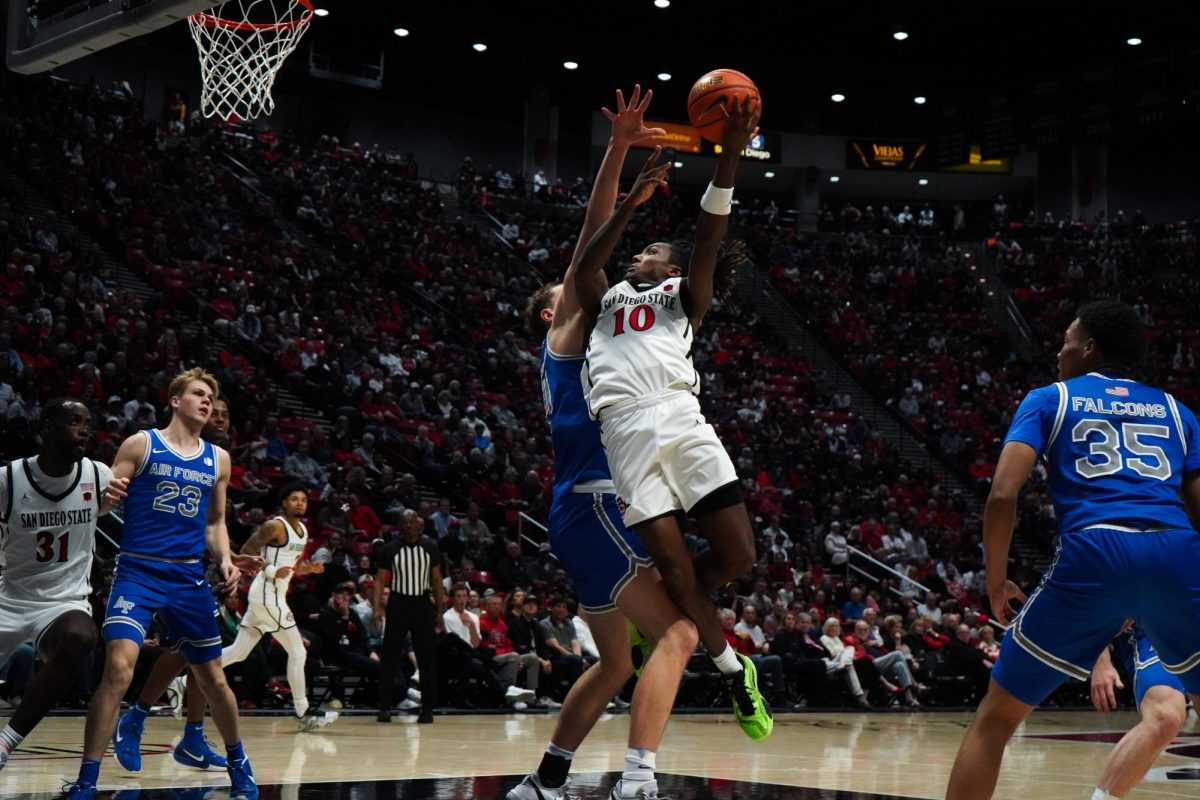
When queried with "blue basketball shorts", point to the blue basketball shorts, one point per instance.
{"points": [[177, 593], [1101, 577], [594, 547], [1143, 665]]}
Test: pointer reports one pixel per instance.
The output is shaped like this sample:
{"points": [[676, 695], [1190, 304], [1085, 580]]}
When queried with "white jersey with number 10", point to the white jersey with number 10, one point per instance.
{"points": [[642, 344]]}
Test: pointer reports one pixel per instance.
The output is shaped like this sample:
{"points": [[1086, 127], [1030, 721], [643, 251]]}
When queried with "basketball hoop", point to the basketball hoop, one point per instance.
{"points": [[242, 44]]}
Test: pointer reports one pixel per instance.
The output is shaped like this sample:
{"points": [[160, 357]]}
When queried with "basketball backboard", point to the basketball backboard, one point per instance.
{"points": [[44, 34]]}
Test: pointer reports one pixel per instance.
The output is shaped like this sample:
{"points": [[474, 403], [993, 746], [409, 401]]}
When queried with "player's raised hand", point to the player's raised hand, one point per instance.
{"points": [[628, 127], [1001, 601], [1105, 682], [116, 491], [741, 124], [652, 176]]}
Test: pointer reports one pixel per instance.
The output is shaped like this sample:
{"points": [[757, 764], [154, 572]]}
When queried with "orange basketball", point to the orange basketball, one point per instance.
{"points": [[711, 93]]}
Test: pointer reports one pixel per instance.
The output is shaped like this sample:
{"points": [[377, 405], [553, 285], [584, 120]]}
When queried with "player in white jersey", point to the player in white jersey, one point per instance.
{"points": [[48, 511], [642, 386], [280, 541]]}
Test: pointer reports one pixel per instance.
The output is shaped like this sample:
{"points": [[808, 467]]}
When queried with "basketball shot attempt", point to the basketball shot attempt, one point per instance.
{"points": [[641, 385], [49, 505]]}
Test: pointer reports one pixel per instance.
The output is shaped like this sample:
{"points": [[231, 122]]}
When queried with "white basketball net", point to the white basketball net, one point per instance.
{"points": [[242, 44]]}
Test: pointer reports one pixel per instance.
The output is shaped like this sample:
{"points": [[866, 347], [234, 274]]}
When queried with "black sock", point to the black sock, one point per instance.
{"points": [[556, 763]]}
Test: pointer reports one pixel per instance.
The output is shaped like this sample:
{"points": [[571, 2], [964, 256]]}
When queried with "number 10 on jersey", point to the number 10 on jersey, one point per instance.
{"points": [[640, 318]]}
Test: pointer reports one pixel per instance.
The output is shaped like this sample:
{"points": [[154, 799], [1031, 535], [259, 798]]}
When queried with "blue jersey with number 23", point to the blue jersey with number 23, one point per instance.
{"points": [[167, 508]]}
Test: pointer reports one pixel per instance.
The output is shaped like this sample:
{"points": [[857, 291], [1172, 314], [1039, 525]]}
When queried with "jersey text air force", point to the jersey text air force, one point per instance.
{"points": [[642, 344], [1117, 451], [166, 511]]}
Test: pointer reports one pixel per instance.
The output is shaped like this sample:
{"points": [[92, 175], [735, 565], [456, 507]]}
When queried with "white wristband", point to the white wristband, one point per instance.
{"points": [[717, 201], [270, 571]]}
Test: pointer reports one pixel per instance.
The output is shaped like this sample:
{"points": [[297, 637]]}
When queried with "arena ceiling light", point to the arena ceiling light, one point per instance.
{"points": [[923, 182], [321, 12], [664, 76], [900, 35], [919, 99], [768, 174], [678, 164], [401, 32], [834, 178], [479, 47], [1133, 41], [837, 97], [570, 65], [662, 3]]}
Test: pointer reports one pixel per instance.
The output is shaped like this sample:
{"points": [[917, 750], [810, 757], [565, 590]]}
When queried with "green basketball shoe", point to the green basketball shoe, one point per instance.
{"points": [[751, 709]]}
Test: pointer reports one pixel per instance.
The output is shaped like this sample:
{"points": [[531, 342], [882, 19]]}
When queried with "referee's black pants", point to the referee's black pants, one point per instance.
{"points": [[415, 615]]}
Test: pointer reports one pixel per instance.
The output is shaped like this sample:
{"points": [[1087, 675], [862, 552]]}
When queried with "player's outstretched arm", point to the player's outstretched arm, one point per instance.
{"points": [[740, 126], [999, 519], [628, 129], [600, 248], [270, 532]]}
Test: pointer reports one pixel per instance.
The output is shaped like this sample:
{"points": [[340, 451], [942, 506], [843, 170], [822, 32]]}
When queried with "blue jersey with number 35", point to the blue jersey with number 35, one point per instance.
{"points": [[167, 507], [1117, 451]]}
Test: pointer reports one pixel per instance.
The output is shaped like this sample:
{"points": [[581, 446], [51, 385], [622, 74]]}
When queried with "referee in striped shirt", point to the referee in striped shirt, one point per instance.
{"points": [[411, 567]]}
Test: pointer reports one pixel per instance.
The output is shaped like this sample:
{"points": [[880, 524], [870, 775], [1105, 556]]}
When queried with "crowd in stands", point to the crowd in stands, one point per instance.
{"points": [[336, 274]]}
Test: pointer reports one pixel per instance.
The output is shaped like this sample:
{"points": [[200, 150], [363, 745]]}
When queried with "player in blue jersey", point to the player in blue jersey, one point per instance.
{"points": [[609, 564], [1123, 460], [175, 508], [1160, 701]]}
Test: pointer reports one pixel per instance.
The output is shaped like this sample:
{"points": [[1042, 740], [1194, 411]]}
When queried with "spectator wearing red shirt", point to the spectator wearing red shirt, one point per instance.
{"points": [[364, 522], [872, 534], [508, 664]]}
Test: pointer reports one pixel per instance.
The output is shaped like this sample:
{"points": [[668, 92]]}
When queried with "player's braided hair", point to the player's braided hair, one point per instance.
{"points": [[731, 256], [1117, 330], [534, 307]]}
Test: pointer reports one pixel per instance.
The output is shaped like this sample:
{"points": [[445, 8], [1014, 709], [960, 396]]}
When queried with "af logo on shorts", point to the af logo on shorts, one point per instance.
{"points": [[621, 505], [123, 605]]}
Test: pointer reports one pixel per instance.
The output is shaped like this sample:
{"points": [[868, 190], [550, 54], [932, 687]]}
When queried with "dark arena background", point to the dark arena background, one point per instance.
{"points": [[934, 190]]}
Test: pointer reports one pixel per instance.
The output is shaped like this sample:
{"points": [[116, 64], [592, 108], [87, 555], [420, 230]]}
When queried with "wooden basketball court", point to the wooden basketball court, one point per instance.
{"points": [[1056, 756]]}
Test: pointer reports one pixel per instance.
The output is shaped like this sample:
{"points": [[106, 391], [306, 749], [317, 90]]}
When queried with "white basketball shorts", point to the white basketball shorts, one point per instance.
{"points": [[267, 619], [663, 454], [24, 621]]}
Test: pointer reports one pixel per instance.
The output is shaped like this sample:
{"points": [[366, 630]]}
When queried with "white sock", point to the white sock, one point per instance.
{"points": [[1101, 794], [639, 771], [9, 739], [728, 661]]}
